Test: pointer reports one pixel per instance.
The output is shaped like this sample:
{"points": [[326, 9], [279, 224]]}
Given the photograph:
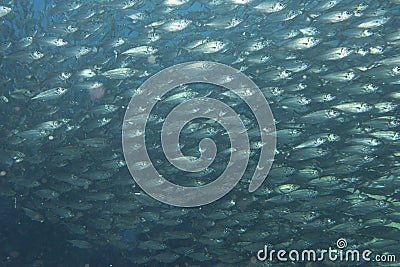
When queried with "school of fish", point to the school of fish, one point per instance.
{"points": [[330, 71]]}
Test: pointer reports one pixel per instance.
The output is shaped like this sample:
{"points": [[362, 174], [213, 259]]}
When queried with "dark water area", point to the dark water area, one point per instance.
{"points": [[33, 244]]}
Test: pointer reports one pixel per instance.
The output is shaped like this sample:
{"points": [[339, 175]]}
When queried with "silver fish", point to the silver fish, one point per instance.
{"points": [[51, 94]]}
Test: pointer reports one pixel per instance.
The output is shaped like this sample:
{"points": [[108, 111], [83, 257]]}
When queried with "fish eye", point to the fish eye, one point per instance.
{"points": [[280, 5], [396, 70], [381, 202], [331, 3], [294, 131], [333, 112]]}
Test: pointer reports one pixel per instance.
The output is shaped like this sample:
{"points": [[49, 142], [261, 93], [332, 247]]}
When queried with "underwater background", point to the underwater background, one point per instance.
{"points": [[330, 71]]}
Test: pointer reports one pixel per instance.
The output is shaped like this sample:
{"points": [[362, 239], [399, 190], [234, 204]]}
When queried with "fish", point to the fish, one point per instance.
{"points": [[140, 51], [51, 94], [335, 16], [303, 43], [209, 47], [354, 107], [53, 41], [224, 23], [119, 73], [4, 10], [329, 70], [175, 25], [80, 244], [270, 6], [174, 3]]}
